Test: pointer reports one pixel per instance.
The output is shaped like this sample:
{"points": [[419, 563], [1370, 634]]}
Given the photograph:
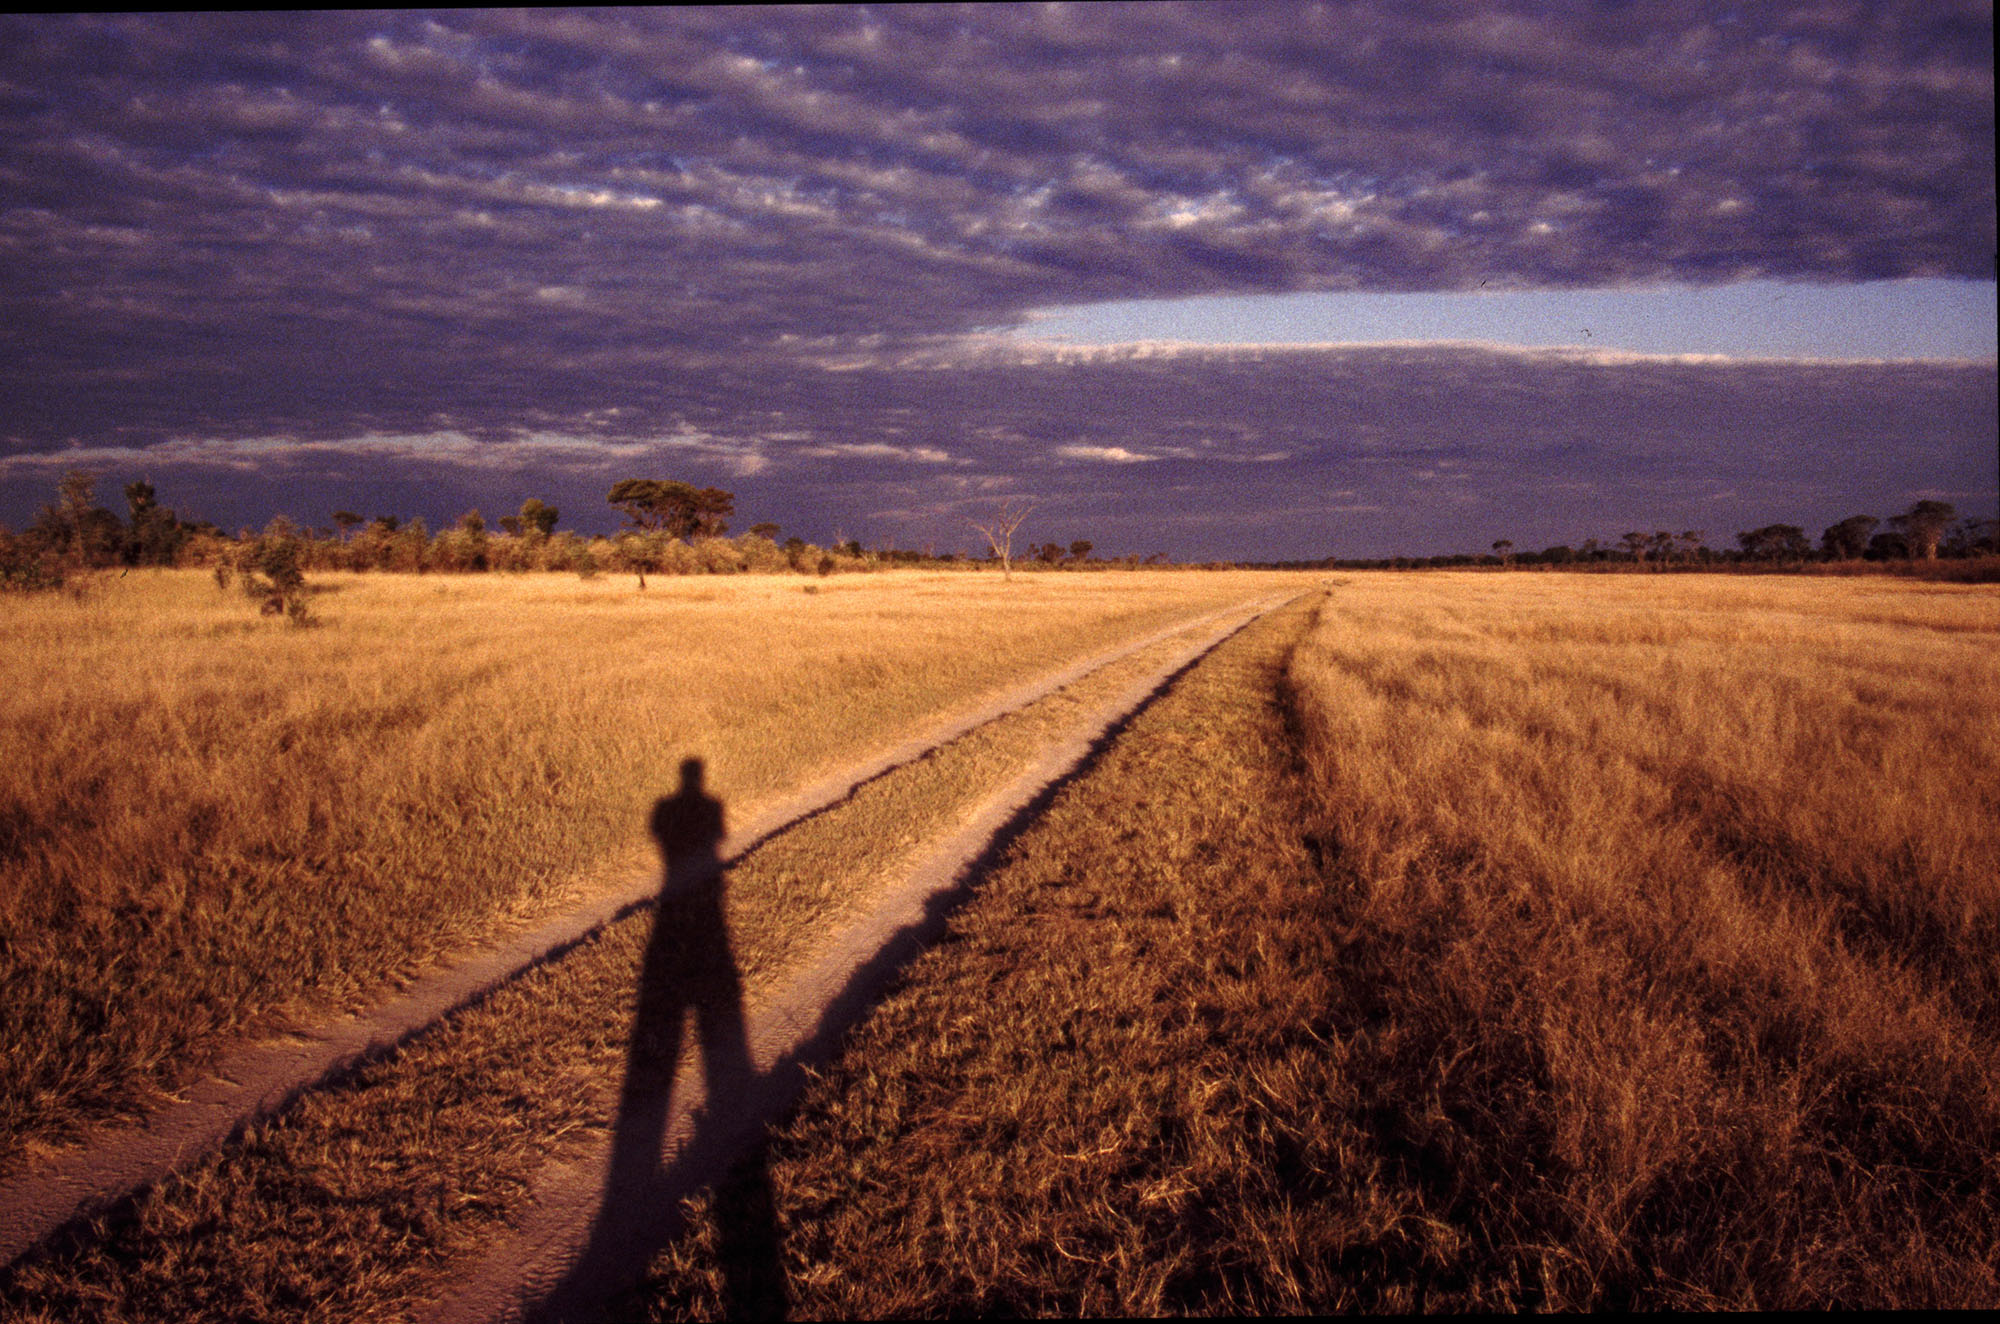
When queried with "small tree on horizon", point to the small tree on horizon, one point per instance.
{"points": [[155, 534], [1922, 525], [639, 552], [1775, 542], [538, 516], [1971, 536], [999, 534], [1847, 540], [74, 528]]}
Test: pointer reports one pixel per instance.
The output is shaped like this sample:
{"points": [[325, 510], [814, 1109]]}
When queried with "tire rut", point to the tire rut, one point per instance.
{"points": [[527, 1273], [54, 1194]]}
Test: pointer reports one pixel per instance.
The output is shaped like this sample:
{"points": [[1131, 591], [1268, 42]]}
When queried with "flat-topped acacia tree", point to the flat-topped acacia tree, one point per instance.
{"points": [[680, 510]]}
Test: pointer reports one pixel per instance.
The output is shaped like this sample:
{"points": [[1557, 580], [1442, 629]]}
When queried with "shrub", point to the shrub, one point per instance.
{"points": [[716, 556], [562, 551], [759, 554], [204, 547], [407, 548], [276, 582], [677, 558], [26, 568]]}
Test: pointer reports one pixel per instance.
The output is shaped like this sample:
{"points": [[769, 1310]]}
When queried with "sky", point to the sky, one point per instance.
{"points": [[1411, 277]]}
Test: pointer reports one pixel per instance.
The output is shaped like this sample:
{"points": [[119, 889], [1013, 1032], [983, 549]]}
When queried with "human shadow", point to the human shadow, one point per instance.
{"points": [[689, 970]]}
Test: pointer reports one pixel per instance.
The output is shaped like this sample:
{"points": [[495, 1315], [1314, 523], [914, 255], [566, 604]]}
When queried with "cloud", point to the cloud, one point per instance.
{"points": [[877, 450], [283, 210], [1103, 454], [629, 227]]}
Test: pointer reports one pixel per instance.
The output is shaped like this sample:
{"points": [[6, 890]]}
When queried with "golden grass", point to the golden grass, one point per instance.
{"points": [[208, 819], [1482, 942], [1558, 942], [1109, 1090], [363, 1199], [1693, 895]]}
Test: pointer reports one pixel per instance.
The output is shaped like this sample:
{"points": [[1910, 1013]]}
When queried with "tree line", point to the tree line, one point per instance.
{"points": [[1928, 531], [669, 527]]}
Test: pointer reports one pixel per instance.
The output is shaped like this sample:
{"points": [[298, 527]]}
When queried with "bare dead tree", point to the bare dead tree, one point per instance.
{"points": [[999, 533]]}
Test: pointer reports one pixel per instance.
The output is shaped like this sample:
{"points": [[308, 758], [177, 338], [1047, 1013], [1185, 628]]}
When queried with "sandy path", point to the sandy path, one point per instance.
{"points": [[258, 1079], [527, 1273]]}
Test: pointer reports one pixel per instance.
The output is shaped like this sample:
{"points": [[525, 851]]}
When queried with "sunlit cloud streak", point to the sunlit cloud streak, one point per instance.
{"points": [[761, 244], [1874, 320]]}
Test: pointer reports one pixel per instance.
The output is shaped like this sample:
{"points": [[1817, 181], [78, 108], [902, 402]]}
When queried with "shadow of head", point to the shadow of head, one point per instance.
{"points": [[688, 827]]}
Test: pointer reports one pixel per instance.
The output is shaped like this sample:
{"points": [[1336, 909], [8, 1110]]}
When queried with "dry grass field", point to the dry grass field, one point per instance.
{"points": [[1686, 902], [209, 820], [372, 1194], [1489, 942], [1446, 941]]}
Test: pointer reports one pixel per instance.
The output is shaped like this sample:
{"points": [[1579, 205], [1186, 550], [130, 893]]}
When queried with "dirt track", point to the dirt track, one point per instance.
{"points": [[258, 1079], [528, 1274]]}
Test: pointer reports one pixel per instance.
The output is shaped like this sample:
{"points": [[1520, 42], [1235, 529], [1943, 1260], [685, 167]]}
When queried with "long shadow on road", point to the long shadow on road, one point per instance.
{"points": [[689, 969]]}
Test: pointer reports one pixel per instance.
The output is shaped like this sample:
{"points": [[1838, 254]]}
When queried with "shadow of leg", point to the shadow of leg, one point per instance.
{"points": [[622, 1237], [748, 1240], [749, 1243]]}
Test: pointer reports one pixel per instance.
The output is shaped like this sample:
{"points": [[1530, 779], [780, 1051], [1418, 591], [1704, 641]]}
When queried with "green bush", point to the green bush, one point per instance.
{"points": [[274, 580]]}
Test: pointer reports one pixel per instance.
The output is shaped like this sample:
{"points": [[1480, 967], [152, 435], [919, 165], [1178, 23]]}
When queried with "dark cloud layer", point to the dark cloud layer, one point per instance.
{"points": [[1252, 453], [728, 236]]}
